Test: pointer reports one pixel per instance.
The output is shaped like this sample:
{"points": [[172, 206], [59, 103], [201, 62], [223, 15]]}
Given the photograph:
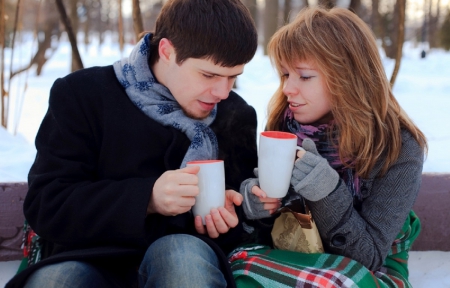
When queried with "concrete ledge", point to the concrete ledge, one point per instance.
{"points": [[11, 220], [432, 206]]}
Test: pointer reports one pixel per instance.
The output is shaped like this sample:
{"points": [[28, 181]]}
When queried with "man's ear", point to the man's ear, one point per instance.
{"points": [[166, 50]]}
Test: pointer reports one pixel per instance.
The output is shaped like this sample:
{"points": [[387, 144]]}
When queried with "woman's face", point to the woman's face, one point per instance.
{"points": [[307, 93]]}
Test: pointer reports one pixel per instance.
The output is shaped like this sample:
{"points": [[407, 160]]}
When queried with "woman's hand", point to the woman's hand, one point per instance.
{"points": [[313, 177], [256, 204]]}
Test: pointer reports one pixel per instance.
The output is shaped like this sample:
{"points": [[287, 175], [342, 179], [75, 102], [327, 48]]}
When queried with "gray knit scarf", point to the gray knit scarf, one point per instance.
{"points": [[156, 101], [325, 147]]}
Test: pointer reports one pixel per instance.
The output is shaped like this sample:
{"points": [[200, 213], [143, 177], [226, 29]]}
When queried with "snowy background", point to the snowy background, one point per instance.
{"points": [[422, 88]]}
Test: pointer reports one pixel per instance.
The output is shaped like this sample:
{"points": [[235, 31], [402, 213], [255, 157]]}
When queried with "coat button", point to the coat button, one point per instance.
{"points": [[364, 189], [338, 240]]}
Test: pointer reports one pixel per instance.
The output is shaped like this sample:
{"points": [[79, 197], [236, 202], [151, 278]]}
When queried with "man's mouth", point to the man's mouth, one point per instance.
{"points": [[207, 105]]}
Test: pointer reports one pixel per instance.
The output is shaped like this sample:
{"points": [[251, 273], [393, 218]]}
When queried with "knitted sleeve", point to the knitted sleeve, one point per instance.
{"points": [[367, 234]]}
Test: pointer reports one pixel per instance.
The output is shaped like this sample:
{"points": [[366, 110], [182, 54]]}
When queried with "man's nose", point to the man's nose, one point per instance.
{"points": [[222, 87]]}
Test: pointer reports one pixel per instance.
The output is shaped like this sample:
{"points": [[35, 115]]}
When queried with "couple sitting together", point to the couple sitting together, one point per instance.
{"points": [[110, 195]]}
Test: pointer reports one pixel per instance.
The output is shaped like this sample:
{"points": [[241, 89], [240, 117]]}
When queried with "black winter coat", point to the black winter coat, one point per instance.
{"points": [[98, 157]]}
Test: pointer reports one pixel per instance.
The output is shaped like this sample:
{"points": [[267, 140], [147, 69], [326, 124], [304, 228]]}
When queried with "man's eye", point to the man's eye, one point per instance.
{"points": [[208, 76]]}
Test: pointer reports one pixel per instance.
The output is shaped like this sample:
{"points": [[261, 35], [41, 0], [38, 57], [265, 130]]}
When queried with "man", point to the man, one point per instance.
{"points": [[109, 192]]}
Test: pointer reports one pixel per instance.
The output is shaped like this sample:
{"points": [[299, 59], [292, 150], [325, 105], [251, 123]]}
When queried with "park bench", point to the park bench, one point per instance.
{"points": [[432, 206]]}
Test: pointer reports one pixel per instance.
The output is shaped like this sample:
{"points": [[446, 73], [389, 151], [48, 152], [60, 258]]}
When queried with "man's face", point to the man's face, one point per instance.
{"points": [[199, 84]]}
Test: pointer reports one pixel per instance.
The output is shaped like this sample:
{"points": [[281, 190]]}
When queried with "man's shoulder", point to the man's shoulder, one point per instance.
{"points": [[91, 74], [89, 85], [98, 80]]}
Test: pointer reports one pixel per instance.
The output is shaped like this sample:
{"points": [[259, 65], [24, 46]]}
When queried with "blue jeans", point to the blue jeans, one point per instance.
{"points": [[172, 261], [180, 260], [77, 274]]}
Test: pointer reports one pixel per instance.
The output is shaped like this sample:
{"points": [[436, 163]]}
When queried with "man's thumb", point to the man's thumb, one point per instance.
{"points": [[191, 169]]}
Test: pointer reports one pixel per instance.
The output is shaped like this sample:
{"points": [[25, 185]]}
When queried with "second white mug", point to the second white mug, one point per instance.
{"points": [[211, 183], [276, 159]]}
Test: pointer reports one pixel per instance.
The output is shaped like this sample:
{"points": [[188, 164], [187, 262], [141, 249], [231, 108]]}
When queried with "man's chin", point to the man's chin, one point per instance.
{"points": [[199, 115]]}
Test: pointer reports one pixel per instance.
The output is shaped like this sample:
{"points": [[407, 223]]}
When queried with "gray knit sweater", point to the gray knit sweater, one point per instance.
{"points": [[367, 233]]}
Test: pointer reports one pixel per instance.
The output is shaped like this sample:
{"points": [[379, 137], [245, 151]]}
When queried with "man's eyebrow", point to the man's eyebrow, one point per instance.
{"points": [[215, 74]]}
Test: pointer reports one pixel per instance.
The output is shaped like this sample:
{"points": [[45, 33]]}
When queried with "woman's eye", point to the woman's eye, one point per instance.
{"points": [[285, 76], [305, 78]]}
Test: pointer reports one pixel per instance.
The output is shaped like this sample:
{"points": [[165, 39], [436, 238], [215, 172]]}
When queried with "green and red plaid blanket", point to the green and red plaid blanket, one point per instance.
{"points": [[261, 266]]}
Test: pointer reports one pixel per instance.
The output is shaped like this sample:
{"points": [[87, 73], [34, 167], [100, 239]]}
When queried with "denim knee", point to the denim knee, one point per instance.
{"points": [[180, 260], [68, 274]]}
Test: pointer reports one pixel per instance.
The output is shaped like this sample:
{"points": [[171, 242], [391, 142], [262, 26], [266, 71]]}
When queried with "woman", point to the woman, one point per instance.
{"points": [[361, 171]]}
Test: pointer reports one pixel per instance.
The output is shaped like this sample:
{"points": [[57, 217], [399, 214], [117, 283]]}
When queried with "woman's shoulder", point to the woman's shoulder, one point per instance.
{"points": [[410, 146], [411, 152]]}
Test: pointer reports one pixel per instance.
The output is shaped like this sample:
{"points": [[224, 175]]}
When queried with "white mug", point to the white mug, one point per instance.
{"points": [[211, 183], [276, 159]]}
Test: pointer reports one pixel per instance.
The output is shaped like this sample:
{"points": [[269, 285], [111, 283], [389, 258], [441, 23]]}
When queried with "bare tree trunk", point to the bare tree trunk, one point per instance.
{"points": [[7, 98], [375, 18], [327, 3], [104, 25], [390, 31], [354, 6], [270, 21], [73, 17], [400, 39], [433, 24], [2, 66], [253, 7], [121, 36], [287, 11], [87, 23], [41, 56], [430, 22], [73, 41], [137, 20]]}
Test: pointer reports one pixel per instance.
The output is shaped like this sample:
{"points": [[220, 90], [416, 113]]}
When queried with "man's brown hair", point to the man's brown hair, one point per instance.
{"points": [[218, 30]]}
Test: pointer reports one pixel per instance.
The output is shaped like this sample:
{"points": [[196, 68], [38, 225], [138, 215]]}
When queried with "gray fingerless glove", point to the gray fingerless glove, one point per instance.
{"points": [[313, 177], [253, 207]]}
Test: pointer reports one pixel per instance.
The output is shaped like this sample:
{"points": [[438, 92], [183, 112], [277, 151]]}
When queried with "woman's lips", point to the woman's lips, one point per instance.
{"points": [[295, 106]]}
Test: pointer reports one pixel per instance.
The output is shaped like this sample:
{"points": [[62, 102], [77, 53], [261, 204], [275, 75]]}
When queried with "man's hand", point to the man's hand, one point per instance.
{"points": [[222, 219], [174, 192]]}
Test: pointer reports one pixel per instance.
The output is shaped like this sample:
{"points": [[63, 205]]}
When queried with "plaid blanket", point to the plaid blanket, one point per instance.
{"points": [[31, 247], [261, 266]]}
